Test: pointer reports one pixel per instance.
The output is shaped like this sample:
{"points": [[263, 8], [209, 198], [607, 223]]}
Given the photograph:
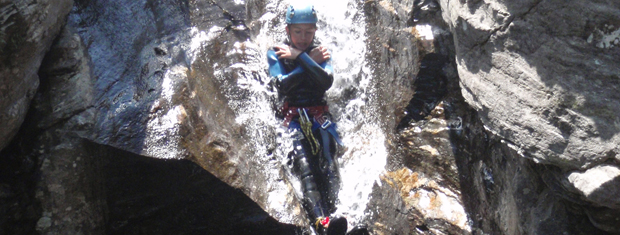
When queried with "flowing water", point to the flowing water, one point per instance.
{"points": [[352, 102], [342, 30]]}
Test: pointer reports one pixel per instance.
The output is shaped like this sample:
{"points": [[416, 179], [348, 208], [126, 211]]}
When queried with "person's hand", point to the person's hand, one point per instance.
{"points": [[287, 52], [319, 54]]}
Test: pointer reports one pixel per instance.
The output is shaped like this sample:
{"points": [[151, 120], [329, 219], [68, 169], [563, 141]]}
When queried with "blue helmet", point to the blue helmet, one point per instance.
{"points": [[301, 13]]}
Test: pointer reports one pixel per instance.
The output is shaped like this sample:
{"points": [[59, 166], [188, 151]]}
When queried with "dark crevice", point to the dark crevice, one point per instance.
{"points": [[430, 88], [176, 197]]}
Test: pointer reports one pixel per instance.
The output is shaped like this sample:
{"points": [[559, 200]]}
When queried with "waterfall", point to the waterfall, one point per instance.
{"points": [[352, 101], [341, 28]]}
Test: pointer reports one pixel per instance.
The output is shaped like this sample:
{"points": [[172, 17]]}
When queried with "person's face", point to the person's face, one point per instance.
{"points": [[301, 35]]}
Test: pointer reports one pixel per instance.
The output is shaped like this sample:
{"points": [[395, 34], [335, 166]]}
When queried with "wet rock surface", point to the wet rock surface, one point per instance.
{"points": [[127, 82], [421, 182], [427, 175], [56, 178], [118, 76], [393, 56], [133, 51], [167, 86]]}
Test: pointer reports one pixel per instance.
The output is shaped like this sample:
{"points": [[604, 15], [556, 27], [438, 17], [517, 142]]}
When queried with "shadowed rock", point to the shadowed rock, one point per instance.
{"points": [[26, 33]]}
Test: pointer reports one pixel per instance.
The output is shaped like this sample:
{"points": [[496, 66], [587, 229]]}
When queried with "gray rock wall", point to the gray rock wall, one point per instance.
{"points": [[126, 75], [165, 79], [132, 46], [543, 77], [70, 178], [393, 57], [26, 33], [173, 80], [54, 180]]}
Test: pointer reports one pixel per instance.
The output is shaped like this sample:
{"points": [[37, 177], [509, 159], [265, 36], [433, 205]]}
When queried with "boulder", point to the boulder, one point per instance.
{"points": [[27, 32], [600, 185], [541, 76], [543, 79], [172, 81]]}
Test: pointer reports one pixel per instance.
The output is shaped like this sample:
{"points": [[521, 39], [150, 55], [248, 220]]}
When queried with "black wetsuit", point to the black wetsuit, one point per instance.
{"points": [[302, 84]]}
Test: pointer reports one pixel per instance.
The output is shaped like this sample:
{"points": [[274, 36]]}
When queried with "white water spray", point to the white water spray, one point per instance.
{"points": [[342, 30]]}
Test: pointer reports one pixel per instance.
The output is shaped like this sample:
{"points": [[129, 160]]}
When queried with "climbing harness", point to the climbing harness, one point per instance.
{"points": [[325, 126], [306, 127], [291, 112]]}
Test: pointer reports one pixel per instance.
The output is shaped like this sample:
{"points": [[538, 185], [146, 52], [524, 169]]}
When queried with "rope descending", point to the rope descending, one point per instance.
{"points": [[306, 127]]}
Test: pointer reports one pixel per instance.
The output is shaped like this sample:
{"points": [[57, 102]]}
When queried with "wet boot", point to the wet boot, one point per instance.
{"points": [[329, 168], [331, 226], [312, 199], [332, 187], [359, 230], [337, 226]]}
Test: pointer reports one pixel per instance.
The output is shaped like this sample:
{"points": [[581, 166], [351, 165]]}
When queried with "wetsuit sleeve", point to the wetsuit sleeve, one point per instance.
{"points": [[322, 75], [285, 81]]}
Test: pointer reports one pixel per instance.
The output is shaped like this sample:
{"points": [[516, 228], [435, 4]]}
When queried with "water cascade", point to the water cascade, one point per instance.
{"points": [[341, 28], [459, 117]]}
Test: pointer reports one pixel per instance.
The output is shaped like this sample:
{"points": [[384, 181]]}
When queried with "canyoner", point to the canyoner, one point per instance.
{"points": [[302, 72]]}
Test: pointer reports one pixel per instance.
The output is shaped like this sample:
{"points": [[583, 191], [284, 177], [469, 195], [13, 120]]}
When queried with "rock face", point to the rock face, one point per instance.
{"points": [[420, 190], [544, 79], [139, 76], [129, 90], [68, 190], [165, 79], [505, 193], [138, 98], [393, 50], [133, 53], [27, 31]]}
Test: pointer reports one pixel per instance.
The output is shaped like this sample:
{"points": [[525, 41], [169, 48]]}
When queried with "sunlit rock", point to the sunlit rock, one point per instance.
{"points": [[429, 183], [540, 77], [600, 185], [544, 79], [430, 201], [177, 81]]}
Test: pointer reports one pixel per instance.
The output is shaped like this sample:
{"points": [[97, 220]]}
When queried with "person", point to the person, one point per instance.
{"points": [[302, 71]]}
